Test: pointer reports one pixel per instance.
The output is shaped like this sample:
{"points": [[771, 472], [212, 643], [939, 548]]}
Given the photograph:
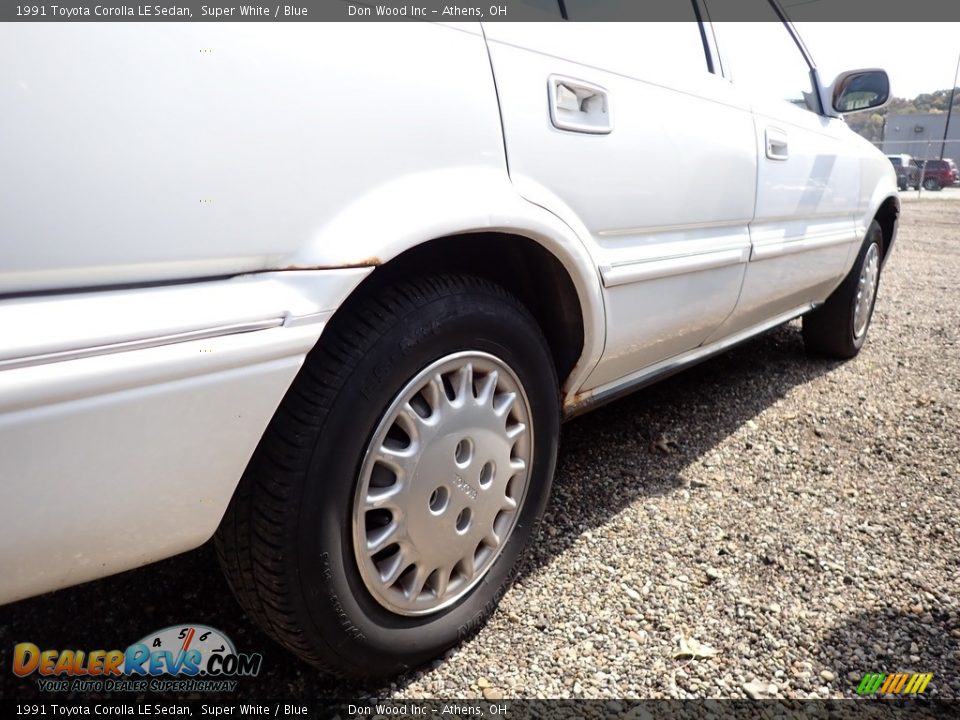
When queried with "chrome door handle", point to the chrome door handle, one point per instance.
{"points": [[777, 144], [579, 106]]}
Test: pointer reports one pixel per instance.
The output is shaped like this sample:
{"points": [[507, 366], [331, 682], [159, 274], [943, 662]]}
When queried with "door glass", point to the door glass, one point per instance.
{"points": [[638, 49], [763, 57]]}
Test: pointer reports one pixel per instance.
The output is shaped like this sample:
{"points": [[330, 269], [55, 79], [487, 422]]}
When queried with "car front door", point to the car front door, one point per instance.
{"points": [[808, 174], [623, 131]]}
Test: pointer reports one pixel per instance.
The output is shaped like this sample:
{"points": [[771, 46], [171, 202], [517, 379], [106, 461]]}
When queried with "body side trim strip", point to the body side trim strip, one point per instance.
{"points": [[765, 250], [623, 273], [141, 344]]}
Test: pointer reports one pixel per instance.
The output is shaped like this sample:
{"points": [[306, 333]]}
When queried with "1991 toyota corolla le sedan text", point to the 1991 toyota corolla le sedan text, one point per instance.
{"points": [[326, 293]]}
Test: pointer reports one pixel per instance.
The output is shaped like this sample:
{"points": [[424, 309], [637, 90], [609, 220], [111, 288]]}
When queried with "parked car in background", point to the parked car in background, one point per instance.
{"points": [[908, 171], [330, 304], [938, 174]]}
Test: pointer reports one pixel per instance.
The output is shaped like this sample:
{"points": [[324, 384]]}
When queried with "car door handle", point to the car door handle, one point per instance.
{"points": [[579, 106], [777, 144]]}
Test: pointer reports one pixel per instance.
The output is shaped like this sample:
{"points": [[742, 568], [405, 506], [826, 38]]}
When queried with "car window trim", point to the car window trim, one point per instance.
{"points": [[797, 41], [709, 50]]}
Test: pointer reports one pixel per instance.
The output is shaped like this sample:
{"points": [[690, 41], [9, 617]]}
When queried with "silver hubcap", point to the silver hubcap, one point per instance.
{"points": [[866, 290], [442, 483]]}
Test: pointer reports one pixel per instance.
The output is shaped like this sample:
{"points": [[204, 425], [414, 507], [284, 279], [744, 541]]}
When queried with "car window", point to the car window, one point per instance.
{"points": [[762, 56], [896, 161], [641, 50]]}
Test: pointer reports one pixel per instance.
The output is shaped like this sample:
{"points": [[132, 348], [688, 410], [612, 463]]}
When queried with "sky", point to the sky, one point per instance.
{"points": [[919, 57]]}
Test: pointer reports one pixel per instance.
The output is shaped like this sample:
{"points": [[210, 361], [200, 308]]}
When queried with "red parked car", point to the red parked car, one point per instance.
{"points": [[938, 174]]}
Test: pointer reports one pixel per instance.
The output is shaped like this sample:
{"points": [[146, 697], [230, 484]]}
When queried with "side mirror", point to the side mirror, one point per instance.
{"points": [[858, 90]]}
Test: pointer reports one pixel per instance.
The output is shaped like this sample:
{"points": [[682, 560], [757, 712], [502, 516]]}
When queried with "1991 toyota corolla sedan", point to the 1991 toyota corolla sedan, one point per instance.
{"points": [[326, 293]]}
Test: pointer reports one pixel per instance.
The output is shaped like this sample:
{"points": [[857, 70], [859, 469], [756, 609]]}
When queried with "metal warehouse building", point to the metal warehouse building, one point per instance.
{"points": [[921, 135]]}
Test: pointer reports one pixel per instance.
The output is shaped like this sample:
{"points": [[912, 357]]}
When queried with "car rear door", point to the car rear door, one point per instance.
{"points": [[808, 173], [622, 130], [160, 152]]}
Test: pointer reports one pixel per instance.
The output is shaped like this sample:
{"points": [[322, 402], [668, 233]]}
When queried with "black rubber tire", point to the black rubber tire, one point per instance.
{"points": [[285, 544], [828, 330], [932, 184]]}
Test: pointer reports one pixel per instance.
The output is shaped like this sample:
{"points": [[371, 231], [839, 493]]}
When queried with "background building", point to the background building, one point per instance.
{"points": [[921, 135]]}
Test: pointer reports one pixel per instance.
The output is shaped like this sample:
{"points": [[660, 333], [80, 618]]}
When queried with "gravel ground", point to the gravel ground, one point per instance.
{"points": [[764, 525]]}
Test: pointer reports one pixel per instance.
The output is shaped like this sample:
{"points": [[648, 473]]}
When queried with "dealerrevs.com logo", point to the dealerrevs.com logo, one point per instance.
{"points": [[180, 658]]}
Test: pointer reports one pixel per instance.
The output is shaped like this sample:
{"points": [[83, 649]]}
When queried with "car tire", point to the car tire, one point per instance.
{"points": [[838, 328], [294, 544], [931, 184]]}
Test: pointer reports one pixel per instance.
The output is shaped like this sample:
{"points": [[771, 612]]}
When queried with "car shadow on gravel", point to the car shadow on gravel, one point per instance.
{"points": [[891, 641], [634, 448], [642, 445]]}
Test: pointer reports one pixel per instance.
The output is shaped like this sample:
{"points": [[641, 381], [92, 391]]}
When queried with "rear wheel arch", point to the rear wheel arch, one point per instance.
{"points": [[522, 266], [265, 522]]}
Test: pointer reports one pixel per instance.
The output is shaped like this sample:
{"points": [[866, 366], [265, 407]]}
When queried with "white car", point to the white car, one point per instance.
{"points": [[326, 293]]}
